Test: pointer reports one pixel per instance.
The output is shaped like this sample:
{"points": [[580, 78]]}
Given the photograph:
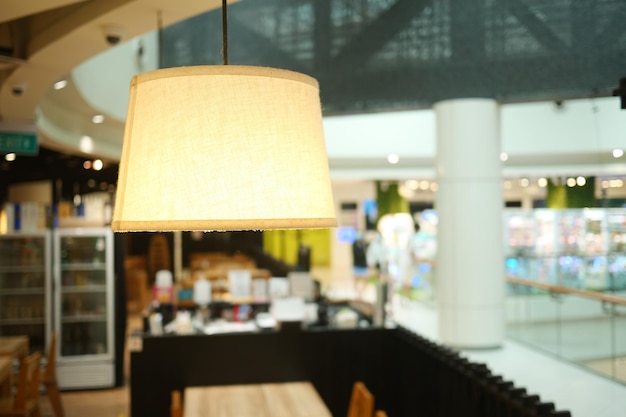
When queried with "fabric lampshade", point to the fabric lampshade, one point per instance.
{"points": [[223, 148]]}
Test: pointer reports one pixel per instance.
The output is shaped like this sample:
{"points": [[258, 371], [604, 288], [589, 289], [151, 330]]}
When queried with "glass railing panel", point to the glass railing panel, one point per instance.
{"points": [[586, 327], [585, 333], [619, 340], [532, 317]]}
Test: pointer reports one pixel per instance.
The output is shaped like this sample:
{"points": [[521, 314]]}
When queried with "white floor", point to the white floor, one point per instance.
{"points": [[568, 386]]}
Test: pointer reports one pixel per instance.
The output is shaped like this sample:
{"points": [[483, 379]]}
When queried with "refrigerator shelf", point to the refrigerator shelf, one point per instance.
{"points": [[22, 269], [22, 291], [96, 266], [19, 322], [87, 318], [78, 289]]}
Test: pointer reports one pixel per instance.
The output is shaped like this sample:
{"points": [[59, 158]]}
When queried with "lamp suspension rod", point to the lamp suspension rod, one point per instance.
{"points": [[224, 33]]}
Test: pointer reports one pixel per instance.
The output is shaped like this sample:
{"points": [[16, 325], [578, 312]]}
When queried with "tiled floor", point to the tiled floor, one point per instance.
{"points": [[568, 386]]}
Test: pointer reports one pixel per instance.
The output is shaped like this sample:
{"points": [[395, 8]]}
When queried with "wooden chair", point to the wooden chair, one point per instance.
{"points": [[25, 401], [380, 413], [176, 409], [49, 379], [361, 401]]}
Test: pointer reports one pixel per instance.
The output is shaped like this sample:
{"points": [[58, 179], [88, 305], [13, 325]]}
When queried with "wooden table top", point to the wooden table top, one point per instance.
{"points": [[291, 399], [14, 346]]}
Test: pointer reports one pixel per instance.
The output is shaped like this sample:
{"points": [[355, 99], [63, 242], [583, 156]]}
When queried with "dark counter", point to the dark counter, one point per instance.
{"points": [[408, 375]]}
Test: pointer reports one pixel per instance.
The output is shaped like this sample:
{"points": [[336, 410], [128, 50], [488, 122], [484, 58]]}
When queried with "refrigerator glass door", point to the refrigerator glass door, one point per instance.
{"points": [[24, 287], [84, 295]]}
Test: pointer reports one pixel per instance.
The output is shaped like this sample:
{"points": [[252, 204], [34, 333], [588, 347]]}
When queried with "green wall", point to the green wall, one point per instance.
{"points": [[388, 199], [561, 196], [283, 244]]}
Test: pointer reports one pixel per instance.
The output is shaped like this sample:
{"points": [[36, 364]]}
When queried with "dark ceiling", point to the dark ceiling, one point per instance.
{"points": [[380, 55]]}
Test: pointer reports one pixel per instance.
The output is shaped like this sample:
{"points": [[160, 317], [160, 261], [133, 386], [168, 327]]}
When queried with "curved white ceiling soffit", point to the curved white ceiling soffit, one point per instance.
{"points": [[60, 36], [98, 87], [64, 121]]}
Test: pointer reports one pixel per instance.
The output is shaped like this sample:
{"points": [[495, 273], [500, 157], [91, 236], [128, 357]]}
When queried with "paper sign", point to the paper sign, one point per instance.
{"points": [[239, 283], [301, 285], [278, 288], [259, 289]]}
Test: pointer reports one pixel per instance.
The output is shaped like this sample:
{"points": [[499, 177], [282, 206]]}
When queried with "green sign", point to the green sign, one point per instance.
{"points": [[20, 143]]}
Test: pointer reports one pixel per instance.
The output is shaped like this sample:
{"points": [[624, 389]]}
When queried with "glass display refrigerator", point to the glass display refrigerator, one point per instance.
{"points": [[530, 244], [84, 310], [578, 248], [25, 286], [616, 263], [582, 248]]}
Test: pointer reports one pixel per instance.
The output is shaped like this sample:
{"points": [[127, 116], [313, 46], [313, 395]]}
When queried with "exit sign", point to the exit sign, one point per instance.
{"points": [[20, 143]]}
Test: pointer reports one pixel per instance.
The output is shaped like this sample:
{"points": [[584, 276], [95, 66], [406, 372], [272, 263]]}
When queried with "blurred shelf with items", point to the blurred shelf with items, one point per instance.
{"points": [[581, 248]]}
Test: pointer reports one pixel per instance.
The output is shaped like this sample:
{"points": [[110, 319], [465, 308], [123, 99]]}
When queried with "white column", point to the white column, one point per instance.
{"points": [[470, 250]]}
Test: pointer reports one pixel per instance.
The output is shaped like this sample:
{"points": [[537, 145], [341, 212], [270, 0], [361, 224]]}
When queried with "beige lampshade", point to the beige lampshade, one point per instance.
{"points": [[223, 148]]}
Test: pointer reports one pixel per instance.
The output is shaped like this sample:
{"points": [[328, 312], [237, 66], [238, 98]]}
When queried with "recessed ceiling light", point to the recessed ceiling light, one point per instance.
{"points": [[97, 118], [393, 158], [508, 184], [581, 181], [618, 153], [542, 182], [405, 191], [10, 157], [87, 164], [60, 84], [504, 156], [412, 184], [97, 164], [616, 183], [424, 185], [86, 144], [571, 182], [524, 182]]}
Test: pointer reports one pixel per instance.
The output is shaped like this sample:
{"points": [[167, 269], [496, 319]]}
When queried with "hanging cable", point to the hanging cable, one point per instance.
{"points": [[224, 33]]}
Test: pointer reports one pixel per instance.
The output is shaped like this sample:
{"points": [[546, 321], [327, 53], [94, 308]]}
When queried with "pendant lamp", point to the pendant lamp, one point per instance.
{"points": [[223, 147]]}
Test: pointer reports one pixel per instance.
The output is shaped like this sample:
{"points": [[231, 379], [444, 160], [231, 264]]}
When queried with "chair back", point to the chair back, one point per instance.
{"points": [[380, 413], [361, 401], [49, 374], [49, 378], [176, 408], [27, 389]]}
